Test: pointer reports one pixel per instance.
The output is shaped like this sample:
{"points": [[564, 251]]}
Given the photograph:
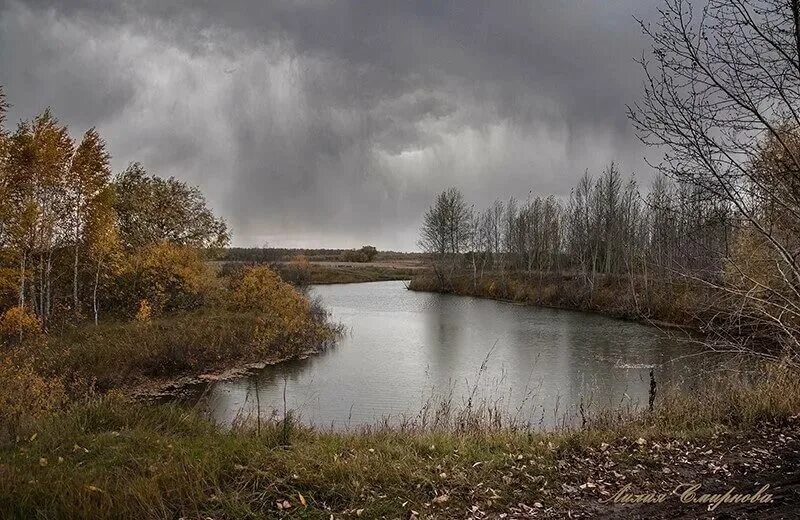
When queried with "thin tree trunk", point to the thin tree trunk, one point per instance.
{"points": [[474, 273], [75, 308], [49, 285], [94, 292], [22, 261], [41, 286], [75, 302]]}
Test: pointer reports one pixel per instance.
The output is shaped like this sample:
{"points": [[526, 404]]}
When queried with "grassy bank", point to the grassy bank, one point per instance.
{"points": [[616, 296], [308, 272], [353, 273], [346, 272], [124, 353], [258, 318], [108, 458]]}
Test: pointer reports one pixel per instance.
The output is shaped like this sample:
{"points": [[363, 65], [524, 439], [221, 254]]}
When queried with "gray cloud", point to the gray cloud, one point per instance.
{"points": [[311, 122]]}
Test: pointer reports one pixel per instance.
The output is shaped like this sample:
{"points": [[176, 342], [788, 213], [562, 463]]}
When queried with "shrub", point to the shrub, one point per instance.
{"points": [[26, 394], [365, 254], [298, 271], [284, 312], [145, 312], [262, 290], [168, 276], [17, 324]]}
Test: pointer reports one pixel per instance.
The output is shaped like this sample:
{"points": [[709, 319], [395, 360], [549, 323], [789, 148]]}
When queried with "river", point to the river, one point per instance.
{"points": [[403, 349]]}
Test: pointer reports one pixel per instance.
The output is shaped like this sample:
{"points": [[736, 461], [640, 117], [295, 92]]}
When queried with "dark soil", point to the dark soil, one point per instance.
{"points": [[745, 462]]}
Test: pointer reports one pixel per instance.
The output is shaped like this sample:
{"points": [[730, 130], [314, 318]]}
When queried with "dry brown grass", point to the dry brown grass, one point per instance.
{"points": [[613, 295]]}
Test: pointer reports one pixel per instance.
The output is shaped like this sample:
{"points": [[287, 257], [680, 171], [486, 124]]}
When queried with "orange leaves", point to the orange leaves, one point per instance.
{"points": [[301, 262]]}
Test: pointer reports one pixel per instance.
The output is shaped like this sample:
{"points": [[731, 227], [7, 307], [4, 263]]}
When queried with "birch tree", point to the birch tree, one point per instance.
{"points": [[88, 177]]}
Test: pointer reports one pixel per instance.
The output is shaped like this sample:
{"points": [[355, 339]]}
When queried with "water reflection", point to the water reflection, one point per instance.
{"points": [[404, 347]]}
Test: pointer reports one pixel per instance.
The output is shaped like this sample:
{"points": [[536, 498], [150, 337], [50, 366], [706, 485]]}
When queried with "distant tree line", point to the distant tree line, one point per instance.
{"points": [[279, 254], [605, 227]]}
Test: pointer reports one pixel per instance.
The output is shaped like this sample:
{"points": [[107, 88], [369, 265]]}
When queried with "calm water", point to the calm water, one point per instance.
{"points": [[404, 348]]}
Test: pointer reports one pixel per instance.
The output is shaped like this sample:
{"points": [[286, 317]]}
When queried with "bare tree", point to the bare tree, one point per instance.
{"points": [[446, 228], [721, 95]]}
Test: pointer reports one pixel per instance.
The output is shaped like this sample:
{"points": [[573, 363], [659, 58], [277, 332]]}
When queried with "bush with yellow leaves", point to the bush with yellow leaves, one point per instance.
{"points": [[763, 286], [285, 315], [16, 324], [170, 277], [25, 394], [298, 271], [145, 312]]}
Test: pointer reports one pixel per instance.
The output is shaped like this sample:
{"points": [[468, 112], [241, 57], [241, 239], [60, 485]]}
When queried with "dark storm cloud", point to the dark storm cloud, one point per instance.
{"points": [[334, 123]]}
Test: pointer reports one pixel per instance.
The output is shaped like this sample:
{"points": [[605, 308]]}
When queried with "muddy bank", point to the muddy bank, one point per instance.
{"points": [[160, 389]]}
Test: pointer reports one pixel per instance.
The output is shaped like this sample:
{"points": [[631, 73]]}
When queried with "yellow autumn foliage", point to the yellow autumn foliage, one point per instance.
{"points": [[17, 323], [262, 290], [26, 394], [168, 276], [9, 283], [752, 266], [285, 313], [763, 279], [145, 312], [301, 262]]}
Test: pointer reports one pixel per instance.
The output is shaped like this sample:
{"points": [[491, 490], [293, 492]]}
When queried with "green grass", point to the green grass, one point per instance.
{"points": [[118, 460], [122, 353], [352, 274], [109, 458]]}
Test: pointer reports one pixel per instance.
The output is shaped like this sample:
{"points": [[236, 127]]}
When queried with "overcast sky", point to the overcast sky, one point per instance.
{"points": [[332, 123]]}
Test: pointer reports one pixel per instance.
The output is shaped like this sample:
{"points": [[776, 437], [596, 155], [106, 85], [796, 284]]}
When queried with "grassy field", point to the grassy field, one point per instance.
{"points": [[333, 272], [110, 458]]}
